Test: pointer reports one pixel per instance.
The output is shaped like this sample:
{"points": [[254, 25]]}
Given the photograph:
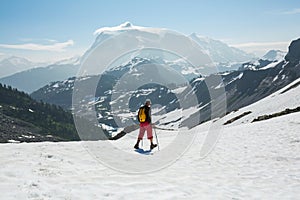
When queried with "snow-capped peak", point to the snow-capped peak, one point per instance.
{"points": [[274, 55], [18, 60], [121, 27], [219, 51], [14, 64]]}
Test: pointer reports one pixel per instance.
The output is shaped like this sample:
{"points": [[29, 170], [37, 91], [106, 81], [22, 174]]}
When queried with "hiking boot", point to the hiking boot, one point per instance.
{"points": [[136, 146], [152, 146]]}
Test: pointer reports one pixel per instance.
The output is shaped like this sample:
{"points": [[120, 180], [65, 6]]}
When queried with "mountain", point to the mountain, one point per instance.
{"points": [[219, 51], [269, 60], [226, 58], [248, 86], [14, 64], [293, 55], [280, 103], [260, 64], [242, 88], [274, 55], [33, 79], [60, 92], [157, 43], [105, 33], [26, 120]]}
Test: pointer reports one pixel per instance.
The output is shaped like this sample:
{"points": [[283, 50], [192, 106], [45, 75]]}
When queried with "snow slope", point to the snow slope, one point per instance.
{"points": [[260, 162], [250, 161], [274, 103]]}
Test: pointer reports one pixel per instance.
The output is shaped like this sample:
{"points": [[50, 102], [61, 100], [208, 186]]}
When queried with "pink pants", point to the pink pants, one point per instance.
{"points": [[145, 126]]}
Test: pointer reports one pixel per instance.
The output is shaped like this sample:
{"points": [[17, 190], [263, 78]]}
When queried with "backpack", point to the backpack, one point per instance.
{"points": [[142, 114]]}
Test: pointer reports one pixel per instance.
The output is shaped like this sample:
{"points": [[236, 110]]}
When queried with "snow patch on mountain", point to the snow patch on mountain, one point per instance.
{"points": [[274, 103], [274, 55], [234, 79], [271, 65], [219, 51]]}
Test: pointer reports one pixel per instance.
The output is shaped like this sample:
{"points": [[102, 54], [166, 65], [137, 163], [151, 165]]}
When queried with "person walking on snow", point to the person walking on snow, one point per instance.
{"points": [[144, 117]]}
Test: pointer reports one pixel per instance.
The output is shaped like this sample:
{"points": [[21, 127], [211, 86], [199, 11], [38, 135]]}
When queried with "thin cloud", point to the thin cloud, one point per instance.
{"points": [[291, 12], [260, 44], [37, 40], [50, 40], [57, 46], [294, 11]]}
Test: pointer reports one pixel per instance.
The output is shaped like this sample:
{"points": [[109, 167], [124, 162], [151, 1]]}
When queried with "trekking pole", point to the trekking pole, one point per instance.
{"points": [[156, 138]]}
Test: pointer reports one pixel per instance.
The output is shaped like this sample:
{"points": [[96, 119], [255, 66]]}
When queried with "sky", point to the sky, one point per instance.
{"points": [[50, 30]]}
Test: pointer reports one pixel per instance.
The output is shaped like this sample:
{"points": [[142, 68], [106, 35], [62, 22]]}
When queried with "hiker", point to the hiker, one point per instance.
{"points": [[144, 117]]}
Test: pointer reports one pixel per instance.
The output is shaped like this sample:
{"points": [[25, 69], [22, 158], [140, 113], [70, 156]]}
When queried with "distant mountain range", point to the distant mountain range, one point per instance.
{"points": [[14, 64], [269, 60], [226, 58], [33, 79]]}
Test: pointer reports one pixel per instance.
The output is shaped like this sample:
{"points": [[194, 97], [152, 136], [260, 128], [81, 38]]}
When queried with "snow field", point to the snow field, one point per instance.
{"points": [[251, 161]]}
